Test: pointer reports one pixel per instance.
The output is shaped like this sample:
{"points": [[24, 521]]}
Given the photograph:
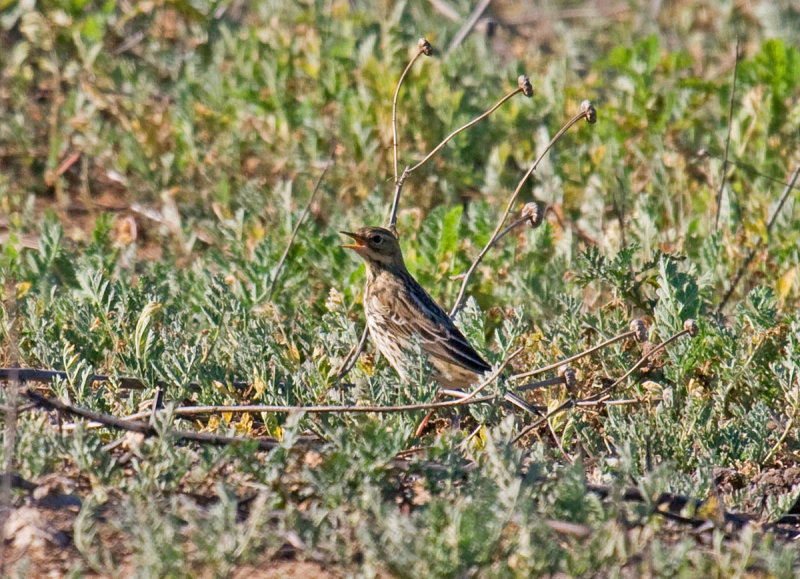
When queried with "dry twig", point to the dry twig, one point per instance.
{"points": [[352, 356], [143, 427], [10, 427], [469, 24], [46, 376], [423, 47]]}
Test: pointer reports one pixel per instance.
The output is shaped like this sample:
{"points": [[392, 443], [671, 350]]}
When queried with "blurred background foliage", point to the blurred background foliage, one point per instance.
{"points": [[183, 114]]}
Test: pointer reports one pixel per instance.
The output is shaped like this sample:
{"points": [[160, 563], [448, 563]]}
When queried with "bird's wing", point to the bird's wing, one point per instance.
{"points": [[415, 312]]}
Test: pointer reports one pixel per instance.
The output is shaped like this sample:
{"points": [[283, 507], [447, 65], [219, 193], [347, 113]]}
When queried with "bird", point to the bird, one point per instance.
{"points": [[399, 312]]}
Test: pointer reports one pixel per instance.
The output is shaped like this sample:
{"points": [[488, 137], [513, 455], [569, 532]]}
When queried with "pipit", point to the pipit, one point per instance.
{"points": [[397, 308]]}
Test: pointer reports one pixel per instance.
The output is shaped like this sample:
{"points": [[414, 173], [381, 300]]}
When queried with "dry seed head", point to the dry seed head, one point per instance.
{"points": [[425, 47], [524, 83], [690, 326], [640, 330], [569, 375], [591, 113], [533, 213]]}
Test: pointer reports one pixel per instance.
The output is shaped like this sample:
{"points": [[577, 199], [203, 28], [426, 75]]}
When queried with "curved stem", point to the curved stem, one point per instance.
{"points": [[399, 181], [394, 108], [449, 137], [581, 115]]}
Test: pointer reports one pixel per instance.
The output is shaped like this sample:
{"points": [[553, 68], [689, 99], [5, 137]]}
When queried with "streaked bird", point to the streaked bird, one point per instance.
{"points": [[397, 308]]}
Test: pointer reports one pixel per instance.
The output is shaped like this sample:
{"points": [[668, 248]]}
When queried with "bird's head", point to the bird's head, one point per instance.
{"points": [[377, 246]]}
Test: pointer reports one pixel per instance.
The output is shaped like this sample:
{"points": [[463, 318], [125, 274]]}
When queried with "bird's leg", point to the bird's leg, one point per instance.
{"points": [[447, 392], [423, 424]]}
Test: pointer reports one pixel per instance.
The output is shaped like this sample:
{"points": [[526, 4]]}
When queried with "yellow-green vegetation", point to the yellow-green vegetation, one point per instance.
{"points": [[154, 160]]}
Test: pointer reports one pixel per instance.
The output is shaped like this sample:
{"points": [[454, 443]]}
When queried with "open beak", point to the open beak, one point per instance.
{"points": [[360, 242]]}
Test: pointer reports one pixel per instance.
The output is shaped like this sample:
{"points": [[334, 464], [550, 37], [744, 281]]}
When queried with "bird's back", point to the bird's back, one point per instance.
{"points": [[397, 309]]}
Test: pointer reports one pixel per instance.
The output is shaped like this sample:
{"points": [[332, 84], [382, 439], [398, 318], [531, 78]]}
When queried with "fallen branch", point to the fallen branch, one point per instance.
{"points": [[672, 506], [467, 398], [47, 376], [143, 427]]}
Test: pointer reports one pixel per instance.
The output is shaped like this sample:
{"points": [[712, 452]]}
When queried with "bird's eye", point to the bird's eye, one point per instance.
{"points": [[377, 239]]}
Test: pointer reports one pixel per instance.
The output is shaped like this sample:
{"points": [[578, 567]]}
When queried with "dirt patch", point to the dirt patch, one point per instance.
{"points": [[38, 541], [285, 570]]}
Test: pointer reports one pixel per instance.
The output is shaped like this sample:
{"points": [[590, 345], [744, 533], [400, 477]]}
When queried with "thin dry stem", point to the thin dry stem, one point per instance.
{"points": [[624, 402], [569, 403], [567, 457], [394, 107], [469, 25], [473, 122], [274, 409], [492, 377], [578, 356], [787, 429], [542, 383], [300, 220], [353, 355], [583, 114], [727, 139], [10, 419], [751, 254], [398, 188]]}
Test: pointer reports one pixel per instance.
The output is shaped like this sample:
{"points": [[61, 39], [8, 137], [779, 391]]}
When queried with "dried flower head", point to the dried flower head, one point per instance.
{"points": [[334, 300], [591, 113], [690, 326], [524, 83], [533, 213], [640, 330], [425, 47], [569, 375]]}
